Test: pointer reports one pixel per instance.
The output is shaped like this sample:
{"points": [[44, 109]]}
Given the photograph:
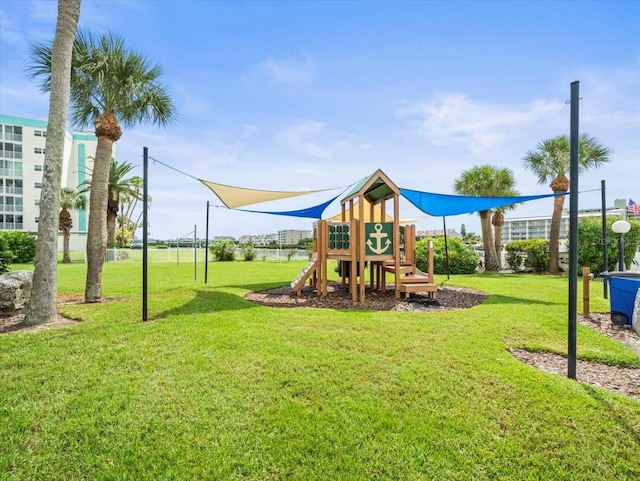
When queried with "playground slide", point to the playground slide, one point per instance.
{"points": [[299, 281], [420, 273]]}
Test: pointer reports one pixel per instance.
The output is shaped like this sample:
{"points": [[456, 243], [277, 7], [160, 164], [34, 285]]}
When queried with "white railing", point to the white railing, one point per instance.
{"points": [[10, 154]]}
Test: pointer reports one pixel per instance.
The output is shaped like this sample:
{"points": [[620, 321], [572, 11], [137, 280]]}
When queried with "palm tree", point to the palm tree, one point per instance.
{"points": [[550, 163], [110, 85], [486, 181], [497, 220], [119, 190], [128, 204], [42, 303], [69, 200]]}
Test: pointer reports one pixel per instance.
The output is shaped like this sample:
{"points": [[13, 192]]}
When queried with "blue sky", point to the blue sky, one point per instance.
{"points": [[312, 95]]}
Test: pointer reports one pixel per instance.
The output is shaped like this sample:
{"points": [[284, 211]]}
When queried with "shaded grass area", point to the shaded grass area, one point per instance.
{"points": [[218, 388]]}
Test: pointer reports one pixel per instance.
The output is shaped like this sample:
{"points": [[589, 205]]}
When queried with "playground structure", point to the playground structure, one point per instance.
{"points": [[365, 234]]}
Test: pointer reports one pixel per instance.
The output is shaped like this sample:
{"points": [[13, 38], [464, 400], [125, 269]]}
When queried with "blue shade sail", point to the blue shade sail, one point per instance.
{"points": [[439, 205], [314, 212]]}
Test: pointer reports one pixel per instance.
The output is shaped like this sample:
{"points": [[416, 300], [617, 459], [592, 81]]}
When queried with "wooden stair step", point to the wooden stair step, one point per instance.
{"points": [[414, 279], [418, 287]]}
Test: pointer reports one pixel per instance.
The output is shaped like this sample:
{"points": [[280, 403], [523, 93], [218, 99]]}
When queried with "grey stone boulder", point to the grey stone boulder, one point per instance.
{"points": [[15, 291]]}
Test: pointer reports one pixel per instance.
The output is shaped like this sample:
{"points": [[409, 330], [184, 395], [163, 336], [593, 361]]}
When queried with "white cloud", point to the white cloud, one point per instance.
{"points": [[611, 98], [453, 118], [286, 71], [315, 139], [302, 137]]}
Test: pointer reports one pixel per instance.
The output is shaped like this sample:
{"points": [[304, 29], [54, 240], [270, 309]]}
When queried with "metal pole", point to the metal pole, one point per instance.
{"points": [[446, 245], [195, 254], [145, 222], [621, 252], [573, 230], [206, 247], [605, 243], [177, 251]]}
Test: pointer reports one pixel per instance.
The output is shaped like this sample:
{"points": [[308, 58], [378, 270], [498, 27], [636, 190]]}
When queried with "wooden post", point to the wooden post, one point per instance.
{"points": [[361, 250], [353, 252], [585, 291], [396, 243]]}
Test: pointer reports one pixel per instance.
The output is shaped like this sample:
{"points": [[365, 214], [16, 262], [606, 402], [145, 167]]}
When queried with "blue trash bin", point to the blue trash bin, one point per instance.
{"points": [[623, 287]]}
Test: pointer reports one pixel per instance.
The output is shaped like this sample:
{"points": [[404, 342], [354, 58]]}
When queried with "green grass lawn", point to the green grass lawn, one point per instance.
{"points": [[217, 388]]}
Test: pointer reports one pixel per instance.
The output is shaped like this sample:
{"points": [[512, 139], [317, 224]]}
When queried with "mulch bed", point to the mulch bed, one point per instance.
{"points": [[338, 297]]}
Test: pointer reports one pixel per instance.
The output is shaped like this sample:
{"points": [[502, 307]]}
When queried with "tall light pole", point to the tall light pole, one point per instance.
{"points": [[621, 227]]}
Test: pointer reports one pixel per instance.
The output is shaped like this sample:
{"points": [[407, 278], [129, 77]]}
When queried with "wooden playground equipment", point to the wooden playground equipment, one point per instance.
{"points": [[381, 242]]}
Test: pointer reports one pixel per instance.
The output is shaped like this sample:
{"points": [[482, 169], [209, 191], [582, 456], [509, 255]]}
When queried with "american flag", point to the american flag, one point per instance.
{"points": [[633, 208]]}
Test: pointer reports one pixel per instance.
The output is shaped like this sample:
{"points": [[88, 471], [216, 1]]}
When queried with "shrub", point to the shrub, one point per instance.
{"points": [[161, 246], [21, 244], [249, 252], [223, 251], [6, 256], [291, 252], [462, 259], [590, 244], [528, 254]]}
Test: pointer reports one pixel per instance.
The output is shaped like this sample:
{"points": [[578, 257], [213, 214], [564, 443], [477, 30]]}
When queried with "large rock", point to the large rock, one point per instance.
{"points": [[15, 291]]}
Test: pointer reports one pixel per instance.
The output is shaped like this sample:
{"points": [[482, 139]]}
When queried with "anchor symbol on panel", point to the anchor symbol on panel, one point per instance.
{"points": [[378, 236]]}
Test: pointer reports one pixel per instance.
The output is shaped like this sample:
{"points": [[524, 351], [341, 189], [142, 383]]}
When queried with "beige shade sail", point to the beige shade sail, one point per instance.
{"points": [[234, 197]]}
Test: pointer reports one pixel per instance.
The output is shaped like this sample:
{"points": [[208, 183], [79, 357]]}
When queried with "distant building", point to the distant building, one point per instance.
{"points": [[260, 239], [438, 233], [539, 227], [292, 237], [218, 238], [22, 151]]}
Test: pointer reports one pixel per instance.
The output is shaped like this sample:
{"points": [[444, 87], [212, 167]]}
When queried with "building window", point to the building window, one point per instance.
{"points": [[37, 168], [14, 186], [40, 133], [38, 185], [12, 132], [38, 150], [37, 219], [37, 202], [10, 150]]}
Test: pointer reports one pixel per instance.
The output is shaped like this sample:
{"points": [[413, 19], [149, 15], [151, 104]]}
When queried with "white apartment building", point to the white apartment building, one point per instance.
{"points": [[22, 150], [292, 237], [539, 227], [282, 237]]}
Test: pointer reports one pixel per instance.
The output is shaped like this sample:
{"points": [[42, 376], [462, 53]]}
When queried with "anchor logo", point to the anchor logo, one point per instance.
{"points": [[378, 236]]}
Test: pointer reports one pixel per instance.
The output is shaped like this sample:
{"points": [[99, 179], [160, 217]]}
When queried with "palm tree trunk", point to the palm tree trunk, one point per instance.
{"points": [[497, 221], [111, 229], [42, 304], [554, 235], [497, 238], [97, 229], [559, 185], [490, 257], [66, 259]]}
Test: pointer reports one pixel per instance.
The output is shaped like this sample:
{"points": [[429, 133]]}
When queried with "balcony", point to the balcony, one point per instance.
{"points": [[10, 154], [14, 137]]}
